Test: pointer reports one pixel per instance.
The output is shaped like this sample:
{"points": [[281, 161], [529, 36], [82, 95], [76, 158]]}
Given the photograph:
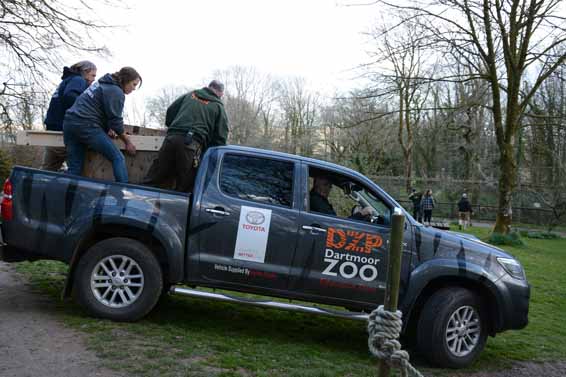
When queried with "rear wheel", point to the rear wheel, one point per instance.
{"points": [[118, 279], [452, 328]]}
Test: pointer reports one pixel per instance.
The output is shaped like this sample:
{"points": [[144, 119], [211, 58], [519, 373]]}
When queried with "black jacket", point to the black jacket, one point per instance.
{"points": [[67, 92], [320, 204], [464, 205]]}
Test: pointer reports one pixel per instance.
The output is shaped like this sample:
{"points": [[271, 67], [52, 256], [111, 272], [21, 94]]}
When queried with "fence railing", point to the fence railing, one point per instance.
{"points": [[524, 215]]}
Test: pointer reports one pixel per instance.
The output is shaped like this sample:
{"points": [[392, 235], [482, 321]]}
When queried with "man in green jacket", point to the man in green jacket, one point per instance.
{"points": [[195, 121]]}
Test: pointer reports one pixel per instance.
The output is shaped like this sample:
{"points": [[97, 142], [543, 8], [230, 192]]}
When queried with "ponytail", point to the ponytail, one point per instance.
{"points": [[125, 75]]}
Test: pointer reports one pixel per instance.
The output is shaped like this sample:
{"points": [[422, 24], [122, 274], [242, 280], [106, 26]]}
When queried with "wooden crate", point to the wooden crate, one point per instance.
{"points": [[147, 141]]}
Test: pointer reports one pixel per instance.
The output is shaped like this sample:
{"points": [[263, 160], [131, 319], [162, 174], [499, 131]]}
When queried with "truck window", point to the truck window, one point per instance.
{"points": [[257, 179], [336, 195]]}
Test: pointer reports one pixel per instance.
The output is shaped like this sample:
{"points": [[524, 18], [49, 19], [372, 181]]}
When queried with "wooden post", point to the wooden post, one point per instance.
{"points": [[393, 272]]}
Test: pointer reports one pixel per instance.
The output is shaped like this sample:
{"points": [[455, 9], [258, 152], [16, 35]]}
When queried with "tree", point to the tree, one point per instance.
{"points": [[249, 99], [33, 37], [507, 38], [157, 105], [300, 109], [545, 131], [401, 73], [367, 146]]}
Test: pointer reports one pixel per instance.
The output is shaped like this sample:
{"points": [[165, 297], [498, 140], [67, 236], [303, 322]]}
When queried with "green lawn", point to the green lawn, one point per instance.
{"points": [[194, 337]]}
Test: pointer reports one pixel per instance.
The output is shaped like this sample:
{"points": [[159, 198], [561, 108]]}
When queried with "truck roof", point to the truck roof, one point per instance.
{"points": [[266, 152]]}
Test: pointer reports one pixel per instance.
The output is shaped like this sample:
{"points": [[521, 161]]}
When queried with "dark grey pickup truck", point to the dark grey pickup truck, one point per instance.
{"points": [[249, 227]]}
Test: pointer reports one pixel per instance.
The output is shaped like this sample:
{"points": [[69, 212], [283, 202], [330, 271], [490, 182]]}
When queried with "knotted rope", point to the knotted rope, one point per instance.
{"points": [[384, 328]]}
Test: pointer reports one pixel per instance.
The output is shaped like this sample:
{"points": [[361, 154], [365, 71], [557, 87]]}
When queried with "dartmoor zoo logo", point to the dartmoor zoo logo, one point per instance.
{"points": [[350, 254]]}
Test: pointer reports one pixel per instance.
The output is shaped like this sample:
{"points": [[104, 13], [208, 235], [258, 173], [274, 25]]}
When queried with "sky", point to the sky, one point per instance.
{"points": [[181, 42]]}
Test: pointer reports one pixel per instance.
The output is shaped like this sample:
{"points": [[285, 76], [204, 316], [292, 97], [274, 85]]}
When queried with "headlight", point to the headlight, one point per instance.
{"points": [[513, 267]]}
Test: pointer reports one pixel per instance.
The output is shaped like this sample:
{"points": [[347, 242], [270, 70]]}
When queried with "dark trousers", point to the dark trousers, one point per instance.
{"points": [[417, 214], [174, 168], [427, 215], [78, 137]]}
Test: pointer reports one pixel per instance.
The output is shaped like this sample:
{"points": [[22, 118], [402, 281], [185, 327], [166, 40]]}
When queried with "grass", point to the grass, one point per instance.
{"points": [[192, 337]]}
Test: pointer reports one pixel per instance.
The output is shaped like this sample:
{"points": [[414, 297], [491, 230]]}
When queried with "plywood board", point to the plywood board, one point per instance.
{"points": [[55, 139], [147, 142]]}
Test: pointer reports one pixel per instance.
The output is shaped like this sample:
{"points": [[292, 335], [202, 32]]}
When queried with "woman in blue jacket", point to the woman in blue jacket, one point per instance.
{"points": [[75, 80], [96, 118]]}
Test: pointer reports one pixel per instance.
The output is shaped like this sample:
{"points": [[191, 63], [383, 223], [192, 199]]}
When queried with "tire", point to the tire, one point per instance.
{"points": [[131, 293], [452, 328]]}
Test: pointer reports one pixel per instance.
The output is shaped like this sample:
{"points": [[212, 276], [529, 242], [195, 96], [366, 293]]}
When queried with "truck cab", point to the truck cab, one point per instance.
{"points": [[256, 229]]}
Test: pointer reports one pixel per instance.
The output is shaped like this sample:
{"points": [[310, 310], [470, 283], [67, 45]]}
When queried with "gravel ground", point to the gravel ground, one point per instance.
{"points": [[33, 342]]}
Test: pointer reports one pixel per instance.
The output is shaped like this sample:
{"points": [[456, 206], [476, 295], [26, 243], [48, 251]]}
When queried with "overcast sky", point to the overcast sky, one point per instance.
{"points": [[181, 42]]}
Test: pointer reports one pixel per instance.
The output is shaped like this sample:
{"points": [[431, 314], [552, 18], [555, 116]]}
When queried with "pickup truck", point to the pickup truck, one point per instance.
{"points": [[248, 227]]}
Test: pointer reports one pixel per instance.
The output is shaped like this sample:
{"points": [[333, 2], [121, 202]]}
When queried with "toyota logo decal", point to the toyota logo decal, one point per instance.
{"points": [[255, 218]]}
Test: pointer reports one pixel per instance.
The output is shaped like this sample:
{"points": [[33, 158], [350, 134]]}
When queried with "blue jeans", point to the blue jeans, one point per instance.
{"points": [[78, 137]]}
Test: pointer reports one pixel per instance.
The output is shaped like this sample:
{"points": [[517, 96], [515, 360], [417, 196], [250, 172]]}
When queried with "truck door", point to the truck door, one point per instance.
{"points": [[342, 251], [247, 225]]}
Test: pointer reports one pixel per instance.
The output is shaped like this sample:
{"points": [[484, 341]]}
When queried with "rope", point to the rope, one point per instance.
{"points": [[384, 328]]}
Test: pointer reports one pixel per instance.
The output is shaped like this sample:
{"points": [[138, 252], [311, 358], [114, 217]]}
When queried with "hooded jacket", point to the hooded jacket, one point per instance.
{"points": [[464, 205], [102, 105], [202, 112], [69, 89]]}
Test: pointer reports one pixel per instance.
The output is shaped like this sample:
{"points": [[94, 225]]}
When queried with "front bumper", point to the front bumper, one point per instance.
{"points": [[515, 297]]}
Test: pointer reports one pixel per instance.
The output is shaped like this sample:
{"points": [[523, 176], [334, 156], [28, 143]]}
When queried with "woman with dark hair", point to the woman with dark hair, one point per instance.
{"points": [[96, 118], [75, 80]]}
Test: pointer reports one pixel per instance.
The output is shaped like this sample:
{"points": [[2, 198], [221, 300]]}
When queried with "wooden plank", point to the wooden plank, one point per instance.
{"points": [[55, 139], [147, 142]]}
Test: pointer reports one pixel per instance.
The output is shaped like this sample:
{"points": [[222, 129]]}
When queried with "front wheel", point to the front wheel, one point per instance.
{"points": [[452, 329], [119, 279]]}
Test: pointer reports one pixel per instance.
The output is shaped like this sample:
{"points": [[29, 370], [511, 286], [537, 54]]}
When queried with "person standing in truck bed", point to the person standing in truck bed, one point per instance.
{"points": [[96, 118], [195, 121], [75, 80]]}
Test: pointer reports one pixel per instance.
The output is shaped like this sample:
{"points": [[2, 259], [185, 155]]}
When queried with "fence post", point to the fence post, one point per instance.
{"points": [[393, 272]]}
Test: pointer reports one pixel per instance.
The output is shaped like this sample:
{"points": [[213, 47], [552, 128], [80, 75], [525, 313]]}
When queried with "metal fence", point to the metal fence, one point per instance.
{"points": [[528, 206], [444, 210]]}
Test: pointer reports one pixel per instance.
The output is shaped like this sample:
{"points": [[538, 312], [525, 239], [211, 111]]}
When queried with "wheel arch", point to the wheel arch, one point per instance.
{"points": [[169, 258], [487, 296]]}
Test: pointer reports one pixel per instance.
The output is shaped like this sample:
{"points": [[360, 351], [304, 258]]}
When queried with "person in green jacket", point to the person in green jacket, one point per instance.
{"points": [[195, 121]]}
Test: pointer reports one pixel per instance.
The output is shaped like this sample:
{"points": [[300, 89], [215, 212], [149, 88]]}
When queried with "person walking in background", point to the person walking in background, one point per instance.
{"points": [[427, 205], [96, 118], [194, 121], [75, 80], [464, 212], [415, 197]]}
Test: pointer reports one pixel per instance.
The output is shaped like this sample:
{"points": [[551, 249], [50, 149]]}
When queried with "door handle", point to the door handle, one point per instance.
{"points": [[217, 212], [314, 228]]}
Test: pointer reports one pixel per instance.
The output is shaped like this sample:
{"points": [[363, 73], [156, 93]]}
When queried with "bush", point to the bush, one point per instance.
{"points": [[511, 239], [5, 166], [542, 235]]}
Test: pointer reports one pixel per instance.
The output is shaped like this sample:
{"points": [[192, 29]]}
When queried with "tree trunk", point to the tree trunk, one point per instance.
{"points": [[408, 172], [507, 182]]}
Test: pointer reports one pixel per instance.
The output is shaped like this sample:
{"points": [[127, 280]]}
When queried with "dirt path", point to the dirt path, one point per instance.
{"points": [[32, 341]]}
